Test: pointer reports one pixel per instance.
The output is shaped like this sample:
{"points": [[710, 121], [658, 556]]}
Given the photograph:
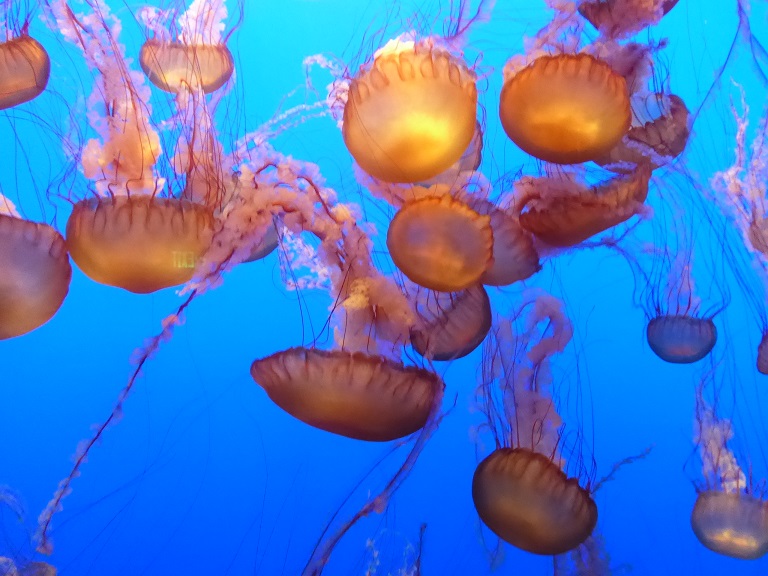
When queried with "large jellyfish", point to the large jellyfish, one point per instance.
{"points": [[520, 490]]}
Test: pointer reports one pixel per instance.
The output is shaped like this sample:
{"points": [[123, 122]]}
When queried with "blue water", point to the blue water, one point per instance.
{"points": [[205, 475]]}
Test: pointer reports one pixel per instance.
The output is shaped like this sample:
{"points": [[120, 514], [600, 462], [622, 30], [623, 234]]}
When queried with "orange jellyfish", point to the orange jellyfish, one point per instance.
{"points": [[451, 325], [36, 273], [197, 57], [521, 491], [24, 64], [351, 394], [411, 113], [441, 243], [566, 109], [560, 211], [129, 236], [729, 516]]}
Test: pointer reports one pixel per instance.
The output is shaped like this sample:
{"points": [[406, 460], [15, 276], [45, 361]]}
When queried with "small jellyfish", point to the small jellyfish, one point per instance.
{"points": [[352, 394], [441, 243], [565, 109], [563, 212], [197, 57], [734, 525], [140, 243], [681, 339], [451, 325], [35, 274], [728, 517], [411, 113], [24, 70]]}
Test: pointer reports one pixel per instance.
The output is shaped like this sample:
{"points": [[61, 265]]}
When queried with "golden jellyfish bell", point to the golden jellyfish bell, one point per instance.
{"points": [[139, 243], [529, 502], [349, 393], [35, 275], [565, 109], [411, 114], [172, 65], [441, 243], [24, 70]]}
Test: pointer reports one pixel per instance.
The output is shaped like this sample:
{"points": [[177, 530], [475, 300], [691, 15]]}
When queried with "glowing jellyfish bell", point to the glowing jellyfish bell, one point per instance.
{"points": [[197, 57], [35, 273], [566, 109], [521, 492], [411, 113], [24, 64], [439, 242], [681, 339]]}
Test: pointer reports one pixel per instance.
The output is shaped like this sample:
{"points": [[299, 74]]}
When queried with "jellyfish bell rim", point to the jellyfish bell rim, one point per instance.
{"points": [[506, 516], [289, 384], [534, 133]]}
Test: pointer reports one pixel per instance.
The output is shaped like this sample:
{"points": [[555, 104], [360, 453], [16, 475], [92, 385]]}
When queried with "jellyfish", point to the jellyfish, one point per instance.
{"points": [[566, 109], [36, 272], [521, 491], [451, 325], [24, 63], [411, 113], [729, 516], [126, 235], [622, 18], [352, 394], [658, 140], [561, 211], [197, 57]]}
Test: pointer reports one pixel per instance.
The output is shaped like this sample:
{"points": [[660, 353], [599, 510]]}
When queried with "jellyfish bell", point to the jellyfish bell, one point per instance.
{"points": [[562, 212], [35, 275], [349, 393], [24, 70], [411, 113], [565, 109], [526, 500], [681, 339], [732, 524], [617, 18], [658, 141], [172, 65], [140, 243], [441, 243], [452, 324]]}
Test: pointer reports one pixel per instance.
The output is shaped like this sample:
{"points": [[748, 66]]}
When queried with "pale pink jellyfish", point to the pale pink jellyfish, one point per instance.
{"points": [[729, 517], [520, 490]]}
